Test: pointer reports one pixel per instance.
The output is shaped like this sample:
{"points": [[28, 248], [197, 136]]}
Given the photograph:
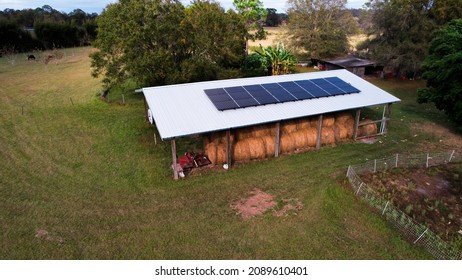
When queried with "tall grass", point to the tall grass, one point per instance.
{"points": [[89, 174]]}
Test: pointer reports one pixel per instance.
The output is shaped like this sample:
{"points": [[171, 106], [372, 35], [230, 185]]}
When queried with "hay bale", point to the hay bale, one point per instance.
{"points": [[300, 139], [350, 126], [210, 151], [287, 143], [328, 121], [241, 151], [314, 121], [221, 154], [340, 132], [327, 135], [263, 130], [205, 139], [311, 136], [343, 117], [244, 133], [367, 129], [303, 123], [269, 145], [218, 137], [257, 148], [289, 127]]}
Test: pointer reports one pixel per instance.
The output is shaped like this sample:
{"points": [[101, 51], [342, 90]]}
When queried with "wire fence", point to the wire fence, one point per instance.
{"points": [[417, 233]]}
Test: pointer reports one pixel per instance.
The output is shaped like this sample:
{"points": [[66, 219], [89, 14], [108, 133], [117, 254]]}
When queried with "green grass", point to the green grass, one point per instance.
{"points": [[89, 173]]}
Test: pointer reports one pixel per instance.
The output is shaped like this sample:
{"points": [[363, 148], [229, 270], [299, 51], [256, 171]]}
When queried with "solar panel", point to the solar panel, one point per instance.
{"points": [[279, 92], [296, 90], [261, 95], [313, 89], [272, 93]]}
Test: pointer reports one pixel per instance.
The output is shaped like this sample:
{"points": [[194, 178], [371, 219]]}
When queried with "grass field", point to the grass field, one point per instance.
{"points": [[83, 179]]}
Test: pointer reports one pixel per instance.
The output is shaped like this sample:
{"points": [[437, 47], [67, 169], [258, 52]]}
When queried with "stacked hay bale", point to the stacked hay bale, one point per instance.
{"points": [[367, 128], [344, 126], [215, 146], [258, 142]]}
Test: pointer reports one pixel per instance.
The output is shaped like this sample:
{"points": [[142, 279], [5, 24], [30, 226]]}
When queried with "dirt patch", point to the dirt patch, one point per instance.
{"points": [[432, 196], [446, 137], [257, 203], [290, 206]]}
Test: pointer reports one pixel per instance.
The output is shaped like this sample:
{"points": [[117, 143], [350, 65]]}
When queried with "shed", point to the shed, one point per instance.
{"points": [[356, 65], [185, 109]]}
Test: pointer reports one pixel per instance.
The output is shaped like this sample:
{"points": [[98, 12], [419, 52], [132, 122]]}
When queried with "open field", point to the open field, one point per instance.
{"points": [[279, 34], [83, 179]]}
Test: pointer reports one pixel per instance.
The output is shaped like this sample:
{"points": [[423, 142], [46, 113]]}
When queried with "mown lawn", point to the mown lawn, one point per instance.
{"points": [[88, 174]]}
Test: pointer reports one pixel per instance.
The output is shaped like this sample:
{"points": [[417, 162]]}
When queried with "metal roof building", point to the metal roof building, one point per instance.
{"points": [[184, 109], [353, 64]]}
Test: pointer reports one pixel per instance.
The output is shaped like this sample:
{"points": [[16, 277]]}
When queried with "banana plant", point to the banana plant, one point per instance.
{"points": [[280, 58]]}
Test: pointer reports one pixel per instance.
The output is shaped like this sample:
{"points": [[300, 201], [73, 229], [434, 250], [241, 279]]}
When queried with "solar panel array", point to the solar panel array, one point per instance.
{"points": [[272, 93]]}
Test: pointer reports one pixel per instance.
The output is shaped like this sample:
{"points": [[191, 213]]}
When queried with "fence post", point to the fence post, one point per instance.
{"points": [[420, 236], [396, 162], [385, 208], [452, 155], [375, 165], [428, 158], [360, 186]]}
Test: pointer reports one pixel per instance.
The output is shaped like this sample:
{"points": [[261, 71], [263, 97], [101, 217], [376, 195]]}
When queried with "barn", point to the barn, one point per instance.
{"points": [[261, 117], [356, 65]]}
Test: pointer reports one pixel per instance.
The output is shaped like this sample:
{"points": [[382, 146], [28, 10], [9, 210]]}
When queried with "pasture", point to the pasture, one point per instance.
{"points": [[83, 179]]}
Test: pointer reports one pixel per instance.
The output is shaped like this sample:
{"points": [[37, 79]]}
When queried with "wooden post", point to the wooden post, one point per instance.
{"points": [[358, 115], [277, 139], [174, 166], [145, 109], [318, 138], [386, 118], [228, 148]]}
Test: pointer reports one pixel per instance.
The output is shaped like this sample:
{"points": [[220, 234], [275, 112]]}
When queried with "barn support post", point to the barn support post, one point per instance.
{"points": [[145, 109], [277, 139], [386, 118], [229, 160], [174, 165], [318, 138], [357, 116]]}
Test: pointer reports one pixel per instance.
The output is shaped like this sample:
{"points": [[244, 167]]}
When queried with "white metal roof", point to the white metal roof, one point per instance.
{"points": [[184, 109]]}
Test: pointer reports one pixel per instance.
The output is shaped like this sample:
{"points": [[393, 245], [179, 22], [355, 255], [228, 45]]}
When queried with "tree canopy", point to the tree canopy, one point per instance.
{"points": [[400, 31], [443, 71], [254, 14], [50, 27], [159, 42], [320, 27]]}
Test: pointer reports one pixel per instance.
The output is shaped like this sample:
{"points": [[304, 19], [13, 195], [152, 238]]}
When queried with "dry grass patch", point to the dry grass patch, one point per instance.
{"points": [[259, 202]]}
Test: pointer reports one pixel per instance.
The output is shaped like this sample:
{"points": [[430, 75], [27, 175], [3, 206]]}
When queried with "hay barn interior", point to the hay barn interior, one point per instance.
{"points": [[255, 118]]}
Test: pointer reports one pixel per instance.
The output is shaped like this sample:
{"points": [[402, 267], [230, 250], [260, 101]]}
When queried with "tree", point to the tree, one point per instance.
{"points": [[160, 42], [216, 53], [399, 34], [254, 14], [319, 27], [443, 71], [14, 38], [53, 28], [272, 17], [443, 12], [400, 31]]}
